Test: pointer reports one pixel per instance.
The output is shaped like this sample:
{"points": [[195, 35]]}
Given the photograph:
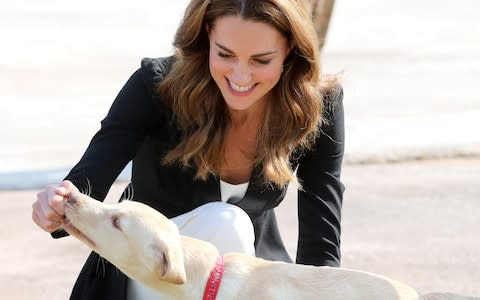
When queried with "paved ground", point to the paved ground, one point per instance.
{"points": [[415, 222]]}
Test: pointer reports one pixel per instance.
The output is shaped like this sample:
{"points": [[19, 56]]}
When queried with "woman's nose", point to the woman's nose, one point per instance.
{"points": [[241, 74]]}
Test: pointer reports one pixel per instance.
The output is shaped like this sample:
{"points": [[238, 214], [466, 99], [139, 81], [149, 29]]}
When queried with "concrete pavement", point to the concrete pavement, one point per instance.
{"points": [[417, 222]]}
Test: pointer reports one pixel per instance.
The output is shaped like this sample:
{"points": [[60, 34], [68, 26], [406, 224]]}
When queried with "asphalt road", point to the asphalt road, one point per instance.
{"points": [[416, 222]]}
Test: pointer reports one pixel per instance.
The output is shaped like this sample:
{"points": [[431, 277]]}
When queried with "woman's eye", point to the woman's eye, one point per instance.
{"points": [[263, 62], [116, 223], [224, 55]]}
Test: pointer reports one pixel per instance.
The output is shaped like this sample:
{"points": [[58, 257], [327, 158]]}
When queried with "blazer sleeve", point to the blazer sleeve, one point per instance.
{"points": [[321, 196], [115, 144]]}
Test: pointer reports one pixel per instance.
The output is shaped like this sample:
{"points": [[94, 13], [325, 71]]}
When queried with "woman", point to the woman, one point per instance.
{"points": [[229, 117]]}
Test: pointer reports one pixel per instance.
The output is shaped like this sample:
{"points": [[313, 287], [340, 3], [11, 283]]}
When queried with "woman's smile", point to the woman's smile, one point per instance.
{"points": [[238, 90]]}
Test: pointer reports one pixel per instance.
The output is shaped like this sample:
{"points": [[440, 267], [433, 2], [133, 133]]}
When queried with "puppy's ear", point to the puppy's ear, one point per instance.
{"points": [[168, 261]]}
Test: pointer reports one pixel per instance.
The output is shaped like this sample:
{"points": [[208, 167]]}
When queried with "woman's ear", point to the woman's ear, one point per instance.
{"points": [[207, 29]]}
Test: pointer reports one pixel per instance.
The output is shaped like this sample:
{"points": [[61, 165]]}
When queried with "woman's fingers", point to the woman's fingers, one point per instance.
{"points": [[54, 207], [43, 222], [48, 210]]}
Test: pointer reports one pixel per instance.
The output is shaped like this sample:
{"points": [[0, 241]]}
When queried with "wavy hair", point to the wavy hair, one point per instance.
{"points": [[292, 124]]}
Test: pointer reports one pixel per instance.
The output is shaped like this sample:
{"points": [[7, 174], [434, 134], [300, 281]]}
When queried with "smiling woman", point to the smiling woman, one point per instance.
{"points": [[245, 72], [228, 118], [264, 62], [246, 60]]}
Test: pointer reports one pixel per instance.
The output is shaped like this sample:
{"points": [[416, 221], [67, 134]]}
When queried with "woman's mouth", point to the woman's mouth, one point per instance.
{"points": [[238, 90]]}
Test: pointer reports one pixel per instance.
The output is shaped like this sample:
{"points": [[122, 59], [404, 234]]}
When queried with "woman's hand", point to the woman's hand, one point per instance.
{"points": [[48, 211]]}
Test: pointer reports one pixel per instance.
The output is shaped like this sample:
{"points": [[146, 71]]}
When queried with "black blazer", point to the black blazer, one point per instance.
{"points": [[141, 128]]}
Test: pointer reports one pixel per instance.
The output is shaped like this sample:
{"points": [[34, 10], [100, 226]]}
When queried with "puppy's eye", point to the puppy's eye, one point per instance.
{"points": [[116, 222]]}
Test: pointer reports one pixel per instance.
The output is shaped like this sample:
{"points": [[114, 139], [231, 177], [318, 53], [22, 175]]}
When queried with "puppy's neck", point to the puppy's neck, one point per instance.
{"points": [[199, 258]]}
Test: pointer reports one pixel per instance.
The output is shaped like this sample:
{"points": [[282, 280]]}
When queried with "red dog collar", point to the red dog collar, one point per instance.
{"points": [[213, 282]]}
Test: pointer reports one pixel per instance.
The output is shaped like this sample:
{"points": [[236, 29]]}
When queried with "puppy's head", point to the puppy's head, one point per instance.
{"points": [[136, 238]]}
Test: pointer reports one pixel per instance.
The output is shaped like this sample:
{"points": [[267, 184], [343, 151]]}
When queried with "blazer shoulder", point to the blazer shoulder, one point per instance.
{"points": [[155, 69], [332, 104]]}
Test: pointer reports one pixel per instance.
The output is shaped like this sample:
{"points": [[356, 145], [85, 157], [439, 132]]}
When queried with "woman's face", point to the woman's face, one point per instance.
{"points": [[246, 60]]}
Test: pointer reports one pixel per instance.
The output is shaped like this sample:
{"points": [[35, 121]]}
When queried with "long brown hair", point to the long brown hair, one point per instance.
{"points": [[292, 124]]}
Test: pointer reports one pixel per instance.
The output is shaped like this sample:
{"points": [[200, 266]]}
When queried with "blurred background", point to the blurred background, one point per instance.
{"points": [[410, 75]]}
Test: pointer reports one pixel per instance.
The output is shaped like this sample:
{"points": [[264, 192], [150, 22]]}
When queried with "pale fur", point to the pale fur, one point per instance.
{"points": [[148, 248]]}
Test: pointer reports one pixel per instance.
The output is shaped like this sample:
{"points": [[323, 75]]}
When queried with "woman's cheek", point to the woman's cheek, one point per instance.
{"points": [[218, 65], [268, 73]]}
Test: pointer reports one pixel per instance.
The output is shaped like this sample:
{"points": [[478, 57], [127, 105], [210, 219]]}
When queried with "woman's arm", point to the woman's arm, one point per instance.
{"points": [[115, 144], [320, 201]]}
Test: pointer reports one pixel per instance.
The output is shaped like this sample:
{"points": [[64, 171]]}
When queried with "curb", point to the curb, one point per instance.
{"points": [[411, 138]]}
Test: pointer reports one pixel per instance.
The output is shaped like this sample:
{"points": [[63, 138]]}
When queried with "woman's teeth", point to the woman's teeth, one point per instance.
{"points": [[240, 89]]}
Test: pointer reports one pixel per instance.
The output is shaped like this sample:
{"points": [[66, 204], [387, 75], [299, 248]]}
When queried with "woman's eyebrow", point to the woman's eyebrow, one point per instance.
{"points": [[255, 55]]}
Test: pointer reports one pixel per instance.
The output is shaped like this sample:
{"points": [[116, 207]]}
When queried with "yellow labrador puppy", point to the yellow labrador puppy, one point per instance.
{"points": [[147, 247]]}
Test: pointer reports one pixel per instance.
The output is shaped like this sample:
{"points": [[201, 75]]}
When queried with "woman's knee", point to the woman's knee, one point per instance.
{"points": [[225, 225]]}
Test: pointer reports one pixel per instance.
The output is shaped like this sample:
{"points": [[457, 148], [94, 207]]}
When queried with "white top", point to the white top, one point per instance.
{"points": [[232, 193]]}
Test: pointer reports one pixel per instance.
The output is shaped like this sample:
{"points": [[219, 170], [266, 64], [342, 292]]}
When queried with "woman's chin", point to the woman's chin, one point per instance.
{"points": [[237, 107]]}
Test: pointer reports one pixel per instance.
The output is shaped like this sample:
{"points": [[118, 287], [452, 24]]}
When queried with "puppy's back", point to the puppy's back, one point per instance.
{"points": [[278, 280]]}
